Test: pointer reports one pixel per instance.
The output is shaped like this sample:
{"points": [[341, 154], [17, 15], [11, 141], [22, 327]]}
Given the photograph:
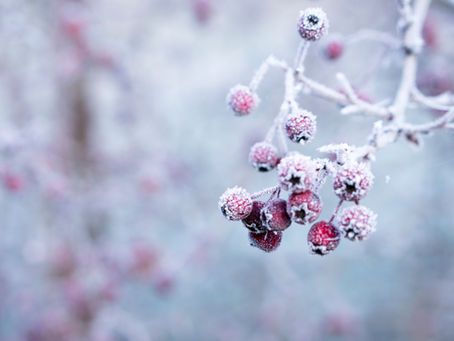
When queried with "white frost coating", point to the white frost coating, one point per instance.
{"points": [[343, 152], [313, 24], [296, 172], [353, 181], [235, 203], [356, 222], [301, 126], [263, 156]]}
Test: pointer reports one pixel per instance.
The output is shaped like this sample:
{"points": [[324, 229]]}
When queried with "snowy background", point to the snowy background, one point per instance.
{"points": [[115, 144]]}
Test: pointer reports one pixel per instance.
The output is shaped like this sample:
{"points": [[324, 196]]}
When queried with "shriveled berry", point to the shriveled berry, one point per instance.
{"points": [[267, 241], [300, 126], [356, 222], [353, 181], [296, 172], [235, 203], [334, 49], [275, 216], [323, 238], [254, 220], [304, 208], [312, 24], [263, 156], [242, 100]]}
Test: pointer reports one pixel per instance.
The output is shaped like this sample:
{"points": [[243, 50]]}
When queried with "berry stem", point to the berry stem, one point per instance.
{"points": [[301, 56], [336, 210], [269, 190]]}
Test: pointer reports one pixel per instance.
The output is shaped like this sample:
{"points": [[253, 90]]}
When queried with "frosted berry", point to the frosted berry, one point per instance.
{"points": [[266, 241], [323, 238], [334, 50], [300, 126], [356, 222], [254, 220], [304, 208], [242, 100], [296, 172], [235, 203], [275, 216], [353, 181], [312, 24], [263, 156]]}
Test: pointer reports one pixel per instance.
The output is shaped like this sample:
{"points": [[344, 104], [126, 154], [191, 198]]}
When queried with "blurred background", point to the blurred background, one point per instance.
{"points": [[116, 142]]}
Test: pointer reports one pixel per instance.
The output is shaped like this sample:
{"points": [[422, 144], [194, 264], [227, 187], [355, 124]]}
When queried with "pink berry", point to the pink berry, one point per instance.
{"points": [[275, 216], [296, 172], [254, 221], [430, 33], [266, 241], [353, 181], [304, 208], [323, 238], [263, 156], [235, 203], [13, 182], [312, 24], [242, 100], [300, 126], [356, 222], [334, 49]]}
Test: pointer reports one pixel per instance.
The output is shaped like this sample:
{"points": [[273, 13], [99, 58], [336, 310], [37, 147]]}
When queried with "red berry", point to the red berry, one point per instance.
{"points": [[296, 172], [334, 49], [266, 241], [430, 33], [323, 238], [300, 126], [13, 182], [275, 216], [312, 24], [356, 222], [202, 10], [263, 156], [242, 100], [304, 208], [353, 181], [254, 221], [235, 203]]}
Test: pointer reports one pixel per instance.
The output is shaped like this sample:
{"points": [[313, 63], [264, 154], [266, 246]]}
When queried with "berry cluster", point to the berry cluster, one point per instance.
{"points": [[298, 174]]}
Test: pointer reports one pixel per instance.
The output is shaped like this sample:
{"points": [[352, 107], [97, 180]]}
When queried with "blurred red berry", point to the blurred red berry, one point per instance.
{"points": [[13, 182], [334, 49]]}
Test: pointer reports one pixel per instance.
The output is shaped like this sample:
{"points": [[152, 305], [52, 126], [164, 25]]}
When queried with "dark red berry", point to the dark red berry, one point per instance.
{"points": [[275, 216], [266, 241], [254, 221]]}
